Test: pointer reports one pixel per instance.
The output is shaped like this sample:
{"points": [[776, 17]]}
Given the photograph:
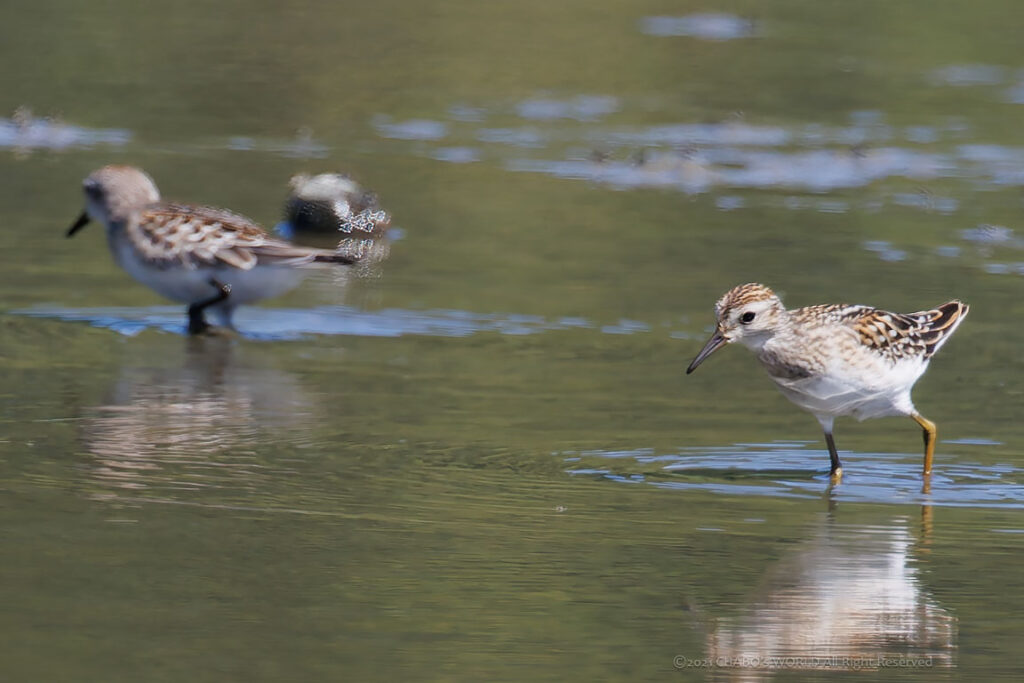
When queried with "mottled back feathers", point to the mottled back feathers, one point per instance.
{"points": [[894, 335], [168, 234]]}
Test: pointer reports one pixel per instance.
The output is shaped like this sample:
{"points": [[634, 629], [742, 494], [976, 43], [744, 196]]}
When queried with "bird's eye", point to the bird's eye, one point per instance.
{"points": [[747, 317], [92, 188]]}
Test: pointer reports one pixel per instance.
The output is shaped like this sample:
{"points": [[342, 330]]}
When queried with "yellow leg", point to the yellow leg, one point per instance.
{"points": [[929, 441]]}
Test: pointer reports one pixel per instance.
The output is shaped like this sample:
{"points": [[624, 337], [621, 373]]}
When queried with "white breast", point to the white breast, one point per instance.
{"points": [[862, 391], [190, 285]]}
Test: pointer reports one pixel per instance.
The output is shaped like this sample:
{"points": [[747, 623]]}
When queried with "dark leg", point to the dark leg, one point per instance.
{"points": [[837, 467], [196, 322]]}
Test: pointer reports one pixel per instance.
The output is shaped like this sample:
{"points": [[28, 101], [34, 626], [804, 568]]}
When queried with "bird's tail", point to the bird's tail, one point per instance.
{"points": [[335, 257], [938, 325]]}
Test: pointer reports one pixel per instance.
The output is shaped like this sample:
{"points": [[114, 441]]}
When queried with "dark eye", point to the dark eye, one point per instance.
{"points": [[92, 188], [747, 317]]}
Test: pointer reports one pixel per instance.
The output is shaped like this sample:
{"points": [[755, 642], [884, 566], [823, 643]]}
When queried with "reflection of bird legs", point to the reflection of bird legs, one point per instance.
{"points": [[830, 496], [700, 620], [926, 524], [929, 431]]}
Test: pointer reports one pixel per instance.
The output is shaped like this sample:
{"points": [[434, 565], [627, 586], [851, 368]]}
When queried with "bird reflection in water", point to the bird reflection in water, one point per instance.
{"points": [[849, 599], [189, 425]]}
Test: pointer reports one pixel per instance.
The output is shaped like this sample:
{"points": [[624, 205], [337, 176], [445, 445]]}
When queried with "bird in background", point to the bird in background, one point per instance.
{"points": [[834, 360], [335, 205], [208, 258]]}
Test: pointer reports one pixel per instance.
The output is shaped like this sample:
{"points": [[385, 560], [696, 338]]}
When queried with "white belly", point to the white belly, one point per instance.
{"points": [[860, 393], [192, 285]]}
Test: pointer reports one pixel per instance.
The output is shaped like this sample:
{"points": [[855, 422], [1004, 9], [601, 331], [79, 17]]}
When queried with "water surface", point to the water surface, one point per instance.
{"points": [[482, 460]]}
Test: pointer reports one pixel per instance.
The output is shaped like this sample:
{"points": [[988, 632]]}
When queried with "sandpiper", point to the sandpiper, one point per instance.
{"points": [[205, 257], [335, 205], [333, 202], [837, 359]]}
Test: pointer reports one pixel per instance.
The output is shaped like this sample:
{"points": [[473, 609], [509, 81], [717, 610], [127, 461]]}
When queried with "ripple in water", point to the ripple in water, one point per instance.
{"points": [[25, 132], [961, 75], [704, 25], [787, 469], [565, 137], [580, 108], [286, 324], [414, 129]]}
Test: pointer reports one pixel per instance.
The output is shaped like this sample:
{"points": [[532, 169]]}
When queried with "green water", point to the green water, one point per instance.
{"points": [[484, 461]]}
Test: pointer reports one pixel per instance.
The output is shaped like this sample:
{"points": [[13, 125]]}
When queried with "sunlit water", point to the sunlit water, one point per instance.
{"points": [[279, 324], [798, 470]]}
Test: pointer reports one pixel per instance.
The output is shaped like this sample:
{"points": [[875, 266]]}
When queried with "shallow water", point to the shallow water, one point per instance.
{"points": [[481, 460]]}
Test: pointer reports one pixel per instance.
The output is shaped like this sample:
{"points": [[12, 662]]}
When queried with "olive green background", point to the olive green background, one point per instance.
{"points": [[337, 504]]}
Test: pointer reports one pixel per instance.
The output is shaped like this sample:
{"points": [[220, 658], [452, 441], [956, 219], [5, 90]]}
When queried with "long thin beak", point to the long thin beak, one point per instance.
{"points": [[79, 224], [716, 342]]}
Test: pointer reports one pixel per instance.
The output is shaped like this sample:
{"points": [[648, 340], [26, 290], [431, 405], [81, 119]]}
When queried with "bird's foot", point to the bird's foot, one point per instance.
{"points": [[196, 322]]}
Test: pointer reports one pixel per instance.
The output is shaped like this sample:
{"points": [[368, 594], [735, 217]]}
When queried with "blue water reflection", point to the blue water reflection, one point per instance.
{"points": [[284, 324], [789, 469]]}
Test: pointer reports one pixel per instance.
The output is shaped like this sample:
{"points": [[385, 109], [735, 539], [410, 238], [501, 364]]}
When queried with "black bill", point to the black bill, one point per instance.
{"points": [[79, 224], [715, 343]]}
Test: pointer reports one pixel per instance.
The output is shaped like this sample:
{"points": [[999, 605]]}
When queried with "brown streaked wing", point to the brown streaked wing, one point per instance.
{"points": [[173, 234], [891, 334], [895, 335], [169, 234]]}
